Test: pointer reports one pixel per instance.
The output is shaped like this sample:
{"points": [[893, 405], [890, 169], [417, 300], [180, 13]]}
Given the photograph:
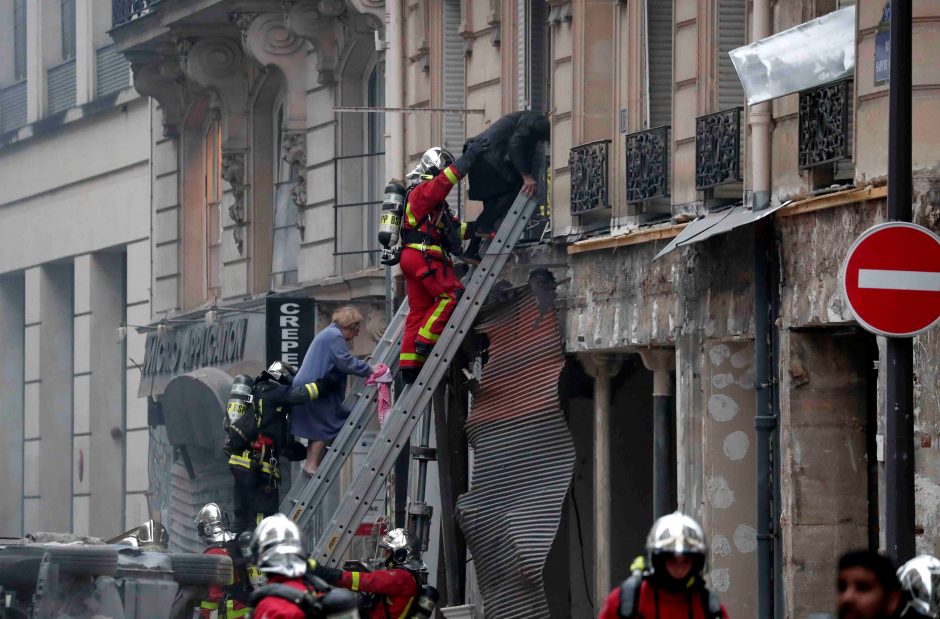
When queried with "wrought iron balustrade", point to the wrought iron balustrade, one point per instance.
{"points": [[125, 11], [588, 167], [648, 164], [718, 148], [824, 124]]}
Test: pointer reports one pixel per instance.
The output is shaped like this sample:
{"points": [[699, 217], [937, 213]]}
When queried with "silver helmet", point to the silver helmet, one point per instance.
{"points": [[676, 533], [276, 547], [432, 163], [281, 372], [212, 525], [402, 546], [920, 581]]}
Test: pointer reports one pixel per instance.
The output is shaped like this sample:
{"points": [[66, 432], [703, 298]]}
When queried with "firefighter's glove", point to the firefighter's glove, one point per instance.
{"points": [[330, 575], [471, 150]]}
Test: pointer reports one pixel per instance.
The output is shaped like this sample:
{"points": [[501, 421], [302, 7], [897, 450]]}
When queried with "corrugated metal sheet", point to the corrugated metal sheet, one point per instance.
{"points": [[13, 107], [659, 50], [523, 459], [60, 82], [454, 70], [732, 15], [112, 71]]}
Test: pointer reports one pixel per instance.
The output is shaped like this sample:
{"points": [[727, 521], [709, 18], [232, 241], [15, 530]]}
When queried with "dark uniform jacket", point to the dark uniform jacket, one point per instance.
{"points": [[511, 145]]}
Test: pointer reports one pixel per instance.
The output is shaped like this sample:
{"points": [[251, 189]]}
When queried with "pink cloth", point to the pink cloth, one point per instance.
{"points": [[382, 378]]}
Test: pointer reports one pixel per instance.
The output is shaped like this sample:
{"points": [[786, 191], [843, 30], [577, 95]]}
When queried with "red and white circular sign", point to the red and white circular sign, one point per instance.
{"points": [[891, 279]]}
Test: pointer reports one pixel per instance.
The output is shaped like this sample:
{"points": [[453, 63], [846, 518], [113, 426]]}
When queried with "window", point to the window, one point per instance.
{"points": [[19, 39], [659, 63], [213, 150], [68, 29], [732, 16]]}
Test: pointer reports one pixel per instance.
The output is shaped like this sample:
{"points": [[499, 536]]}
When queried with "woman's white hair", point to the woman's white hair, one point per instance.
{"points": [[347, 316]]}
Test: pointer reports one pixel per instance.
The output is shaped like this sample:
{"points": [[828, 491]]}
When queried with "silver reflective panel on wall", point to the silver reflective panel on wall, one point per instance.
{"points": [[808, 55]]}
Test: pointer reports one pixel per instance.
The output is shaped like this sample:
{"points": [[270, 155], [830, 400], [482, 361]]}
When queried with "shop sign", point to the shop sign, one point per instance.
{"points": [[883, 47], [184, 349], [291, 324]]}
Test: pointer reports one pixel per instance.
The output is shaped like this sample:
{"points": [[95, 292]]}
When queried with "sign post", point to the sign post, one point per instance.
{"points": [[289, 328]]}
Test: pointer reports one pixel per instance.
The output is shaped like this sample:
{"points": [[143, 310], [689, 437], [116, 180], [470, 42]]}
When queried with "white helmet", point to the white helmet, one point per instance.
{"points": [[432, 163], [920, 582], [281, 372], [212, 525], [276, 547], [678, 534], [402, 546]]}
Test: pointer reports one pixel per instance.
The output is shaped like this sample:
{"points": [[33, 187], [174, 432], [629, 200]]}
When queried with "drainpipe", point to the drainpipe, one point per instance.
{"points": [[661, 362], [394, 91], [765, 421]]}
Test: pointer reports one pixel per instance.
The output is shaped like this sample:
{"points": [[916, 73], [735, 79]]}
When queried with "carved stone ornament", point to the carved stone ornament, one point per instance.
{"points": [[233, 172], [294, 148], [160, 77]]}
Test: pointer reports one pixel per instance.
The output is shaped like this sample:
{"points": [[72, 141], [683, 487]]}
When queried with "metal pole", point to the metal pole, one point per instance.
{"points": [[601, 482], [661, 362], [899, 365], [419, 511]]}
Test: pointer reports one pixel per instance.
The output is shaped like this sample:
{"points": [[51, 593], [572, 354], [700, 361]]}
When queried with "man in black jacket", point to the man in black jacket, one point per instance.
{"points": [[504, 169]]}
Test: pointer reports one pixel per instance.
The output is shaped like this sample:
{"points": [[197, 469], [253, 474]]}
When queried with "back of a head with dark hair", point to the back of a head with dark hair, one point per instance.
{"points": [[880, 565]]}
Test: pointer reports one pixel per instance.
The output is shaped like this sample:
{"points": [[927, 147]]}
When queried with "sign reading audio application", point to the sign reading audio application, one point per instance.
{"points": [[290, 326]]}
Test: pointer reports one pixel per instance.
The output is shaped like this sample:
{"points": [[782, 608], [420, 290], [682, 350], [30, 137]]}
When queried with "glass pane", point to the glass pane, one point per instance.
{"points": [[68, 29], [19, 38]]}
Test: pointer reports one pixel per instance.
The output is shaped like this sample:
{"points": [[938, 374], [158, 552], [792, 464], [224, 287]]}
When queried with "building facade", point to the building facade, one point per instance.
{"points": [[75, 267], [275, 125]]}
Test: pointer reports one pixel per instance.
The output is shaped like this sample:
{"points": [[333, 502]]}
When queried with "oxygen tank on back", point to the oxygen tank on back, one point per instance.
{"points": [[239, 398], [393, 209]]}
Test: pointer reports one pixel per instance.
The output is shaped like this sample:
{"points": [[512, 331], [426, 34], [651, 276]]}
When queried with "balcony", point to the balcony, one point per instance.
{"points": [[718, 149], [126, 11], [825, 124], [588, 167], [648, 165]]}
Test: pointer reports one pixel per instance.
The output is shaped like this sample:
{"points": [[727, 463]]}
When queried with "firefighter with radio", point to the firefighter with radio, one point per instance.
{"points": [[430, 234], [257, 435]]}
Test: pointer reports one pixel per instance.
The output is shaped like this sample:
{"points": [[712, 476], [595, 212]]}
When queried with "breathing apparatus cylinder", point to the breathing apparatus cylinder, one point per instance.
{"points": [[426, 602], [393, 209], [239, 398]]}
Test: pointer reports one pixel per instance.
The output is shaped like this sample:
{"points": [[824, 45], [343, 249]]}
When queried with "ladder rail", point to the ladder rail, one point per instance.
{"points": [[308, 493], [369, 479]]}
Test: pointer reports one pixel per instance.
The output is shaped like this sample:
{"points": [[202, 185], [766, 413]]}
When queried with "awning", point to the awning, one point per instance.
{"points": [[194, 406], [805, 56], [717, 222]]}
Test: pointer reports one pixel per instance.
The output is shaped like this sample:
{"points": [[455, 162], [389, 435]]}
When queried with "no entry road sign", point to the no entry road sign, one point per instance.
{"points": [[891, 279]]}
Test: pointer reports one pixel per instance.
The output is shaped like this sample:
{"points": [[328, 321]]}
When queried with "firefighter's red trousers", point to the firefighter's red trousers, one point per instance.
{"points": [[432, 288]]}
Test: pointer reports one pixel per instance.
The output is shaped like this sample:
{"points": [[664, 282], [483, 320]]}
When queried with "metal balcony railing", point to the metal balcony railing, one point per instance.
{"points": [[125, 11], [648, 164], [588, 167], [718, 148], [824, 124]]}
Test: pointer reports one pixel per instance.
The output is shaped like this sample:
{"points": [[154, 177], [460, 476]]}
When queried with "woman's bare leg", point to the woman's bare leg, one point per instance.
{"points": [[315, 451]]}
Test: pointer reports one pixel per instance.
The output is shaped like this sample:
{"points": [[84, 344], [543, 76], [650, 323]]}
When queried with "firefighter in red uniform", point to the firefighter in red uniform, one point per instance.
{"points": [[430, 234], [229, 601], [395, 590], [292, 592], [673, 587]]}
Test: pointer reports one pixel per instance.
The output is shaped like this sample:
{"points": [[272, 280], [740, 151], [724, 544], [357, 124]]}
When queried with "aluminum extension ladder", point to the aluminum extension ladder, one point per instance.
{"points": [[307, 494], [413, 404]]}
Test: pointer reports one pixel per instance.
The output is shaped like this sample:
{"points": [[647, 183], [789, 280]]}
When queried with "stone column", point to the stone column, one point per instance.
{"points": [[12, 321], [601, 367], [53, 455], [99, 368], [661, 362]]}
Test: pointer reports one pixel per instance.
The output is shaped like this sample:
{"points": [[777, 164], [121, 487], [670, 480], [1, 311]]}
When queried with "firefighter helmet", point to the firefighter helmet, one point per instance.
{"points": [[276, 547], [432, 163], [401, 545], [671, 535], [920, 582], [212, 525], [281, 372]]}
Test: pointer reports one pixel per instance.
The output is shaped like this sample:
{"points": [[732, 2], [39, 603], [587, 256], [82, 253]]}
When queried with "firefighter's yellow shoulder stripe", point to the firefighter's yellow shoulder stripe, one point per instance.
{"points": [[312, 390], [355, 581], [451, 176]]}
